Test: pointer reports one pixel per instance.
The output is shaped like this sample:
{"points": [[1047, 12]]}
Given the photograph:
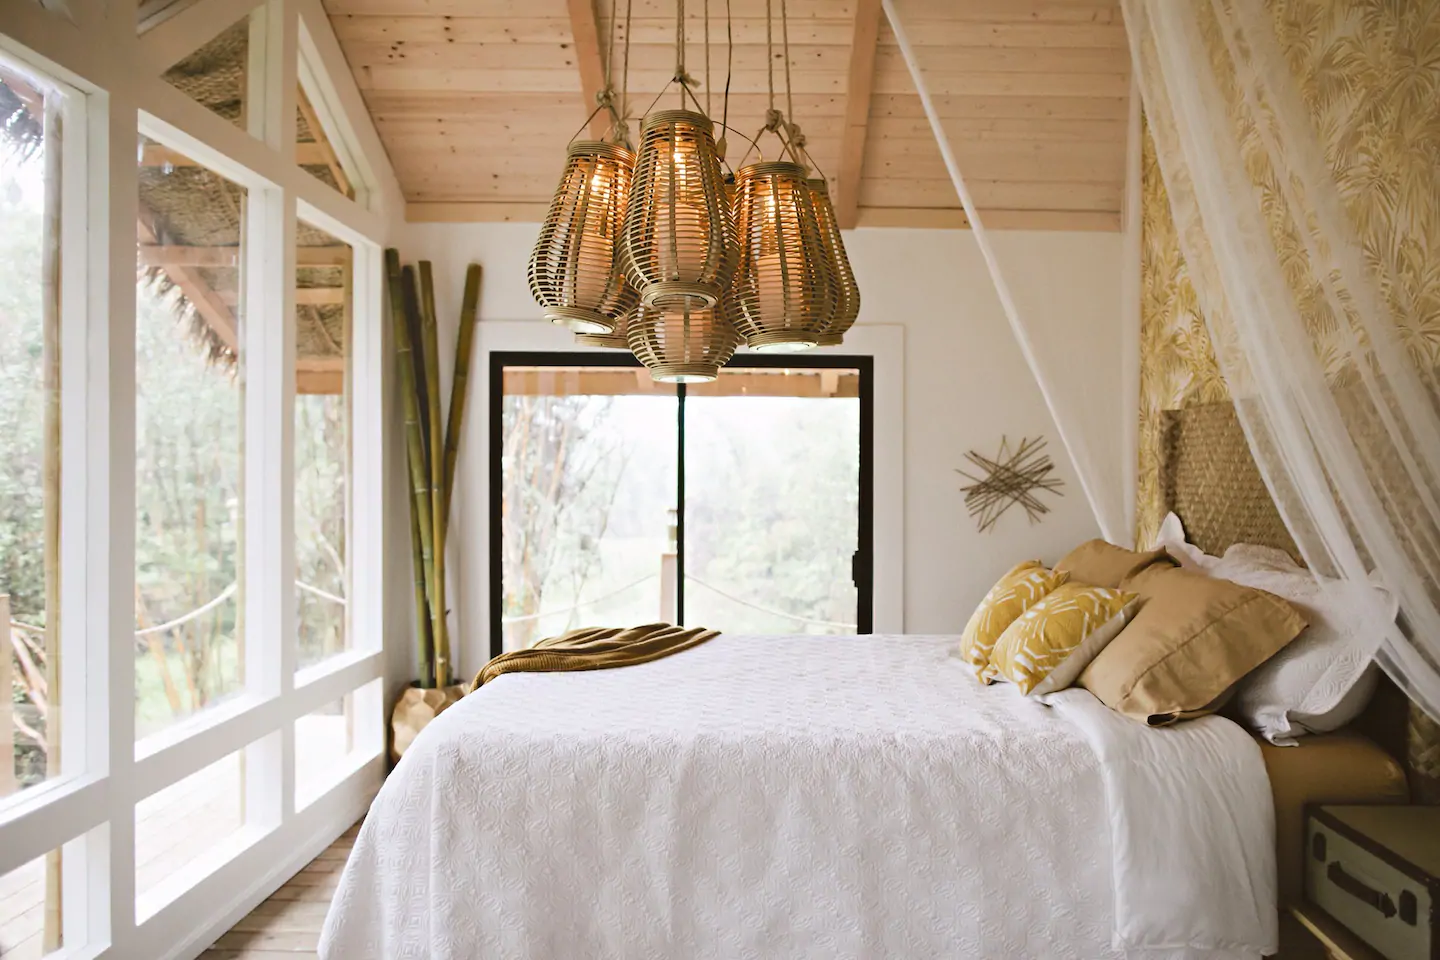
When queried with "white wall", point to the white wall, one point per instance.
{"points": [[967, 384]]}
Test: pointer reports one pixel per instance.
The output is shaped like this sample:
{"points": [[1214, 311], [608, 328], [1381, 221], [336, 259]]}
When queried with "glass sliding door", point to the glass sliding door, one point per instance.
{"points": [[586, 481], [741, 504], [772, 500]]}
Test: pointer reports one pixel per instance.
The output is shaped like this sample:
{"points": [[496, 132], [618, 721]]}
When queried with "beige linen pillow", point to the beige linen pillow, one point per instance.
{"points": [[1192, 640], [1106, 565], [1016, 592]]}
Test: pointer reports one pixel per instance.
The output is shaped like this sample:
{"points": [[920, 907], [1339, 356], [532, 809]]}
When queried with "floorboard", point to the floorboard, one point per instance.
{"points": [[287, 926]]}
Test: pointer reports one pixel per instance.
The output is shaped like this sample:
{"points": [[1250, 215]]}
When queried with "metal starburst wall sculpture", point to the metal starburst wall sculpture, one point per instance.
{"points": [[1011, 477]]}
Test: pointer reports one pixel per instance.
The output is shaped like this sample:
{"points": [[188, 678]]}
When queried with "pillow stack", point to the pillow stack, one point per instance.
{"points": [[1150, 640]]}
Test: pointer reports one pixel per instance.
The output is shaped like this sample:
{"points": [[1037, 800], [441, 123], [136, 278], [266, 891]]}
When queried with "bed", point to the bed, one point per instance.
{"points": [[799, 797], [808, 797]]}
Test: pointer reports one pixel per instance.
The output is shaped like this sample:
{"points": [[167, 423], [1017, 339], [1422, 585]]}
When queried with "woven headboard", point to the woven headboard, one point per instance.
{"points": [[1208, 478]]}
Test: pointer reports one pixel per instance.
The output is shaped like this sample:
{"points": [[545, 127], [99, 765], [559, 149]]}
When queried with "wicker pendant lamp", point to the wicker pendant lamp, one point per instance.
{"points": [[837, 264], [783, 290], [616, 340], [678, 237], [687, 343], [575, 268]]}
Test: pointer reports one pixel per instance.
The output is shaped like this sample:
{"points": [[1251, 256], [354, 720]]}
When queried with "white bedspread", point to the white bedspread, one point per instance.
{"points": [[808, 797]]}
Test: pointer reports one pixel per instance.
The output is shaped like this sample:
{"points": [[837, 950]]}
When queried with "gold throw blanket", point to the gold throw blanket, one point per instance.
{"points": [[595, 648]]}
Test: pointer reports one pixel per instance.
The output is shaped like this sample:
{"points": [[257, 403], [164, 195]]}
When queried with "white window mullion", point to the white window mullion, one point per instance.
{"points": [[366, 379], [269, 369], [110, 489]]}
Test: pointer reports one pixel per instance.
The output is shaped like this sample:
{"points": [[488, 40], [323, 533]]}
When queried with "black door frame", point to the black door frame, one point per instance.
{"points": [[862, 569]]}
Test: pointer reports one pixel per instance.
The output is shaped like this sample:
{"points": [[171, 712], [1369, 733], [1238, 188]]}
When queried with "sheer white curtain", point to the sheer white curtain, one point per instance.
{"points": [[1106, 499], [1319, 336]]}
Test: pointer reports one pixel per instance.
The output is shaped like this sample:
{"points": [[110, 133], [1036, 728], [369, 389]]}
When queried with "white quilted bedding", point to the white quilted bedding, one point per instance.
{"points": [[804, 797]]}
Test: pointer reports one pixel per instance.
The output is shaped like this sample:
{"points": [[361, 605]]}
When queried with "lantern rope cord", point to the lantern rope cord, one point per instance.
{"points": [[785, 44], [729, 68], [610, 48], [769, 57], [680, 75], [707, 58], [625, 74]]}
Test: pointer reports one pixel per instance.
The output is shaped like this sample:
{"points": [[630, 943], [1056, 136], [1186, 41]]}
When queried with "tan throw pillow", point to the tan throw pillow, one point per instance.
{"points": [[1016, 592], [1054, 640], [1106, 565], [1192, 639]]}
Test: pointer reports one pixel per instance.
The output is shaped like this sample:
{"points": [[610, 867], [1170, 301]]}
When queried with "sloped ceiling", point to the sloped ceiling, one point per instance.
{"points": [[476, 99]]}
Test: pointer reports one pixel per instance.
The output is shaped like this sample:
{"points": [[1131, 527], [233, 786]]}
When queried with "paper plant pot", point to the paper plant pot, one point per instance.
{"points": [[414, 711]]}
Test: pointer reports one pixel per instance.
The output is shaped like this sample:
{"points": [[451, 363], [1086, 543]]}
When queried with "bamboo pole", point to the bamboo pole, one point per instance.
{"points": [[401, 291], [431, 355], [460, 381]]}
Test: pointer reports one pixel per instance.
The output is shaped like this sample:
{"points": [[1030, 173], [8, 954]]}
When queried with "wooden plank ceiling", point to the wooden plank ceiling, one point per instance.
{"points": [[476, 99]]}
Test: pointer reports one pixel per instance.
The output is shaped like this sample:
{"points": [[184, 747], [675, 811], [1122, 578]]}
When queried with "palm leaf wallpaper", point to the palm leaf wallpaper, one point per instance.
{"points": [[1369, 72]]}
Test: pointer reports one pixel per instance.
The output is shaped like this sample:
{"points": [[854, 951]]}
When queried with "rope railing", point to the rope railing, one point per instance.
{"points": [[205, 608], [580, 605], [772, 612], [526, 618]]}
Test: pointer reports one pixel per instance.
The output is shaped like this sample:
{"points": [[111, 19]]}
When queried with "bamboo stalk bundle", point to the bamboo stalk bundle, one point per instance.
{"points": [[401, 295], [431, 365], [460, 381], [432, 444]]}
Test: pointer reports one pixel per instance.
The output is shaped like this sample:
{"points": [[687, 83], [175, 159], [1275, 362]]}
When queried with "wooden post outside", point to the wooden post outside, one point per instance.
{"points": [[7, 716], [50, 304]]}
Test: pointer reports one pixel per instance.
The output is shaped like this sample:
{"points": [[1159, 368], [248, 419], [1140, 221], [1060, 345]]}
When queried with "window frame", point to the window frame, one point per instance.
{"points": [[110, 73]]}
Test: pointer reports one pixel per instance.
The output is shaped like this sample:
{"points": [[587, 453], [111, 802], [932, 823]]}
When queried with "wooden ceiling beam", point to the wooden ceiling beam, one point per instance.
{"points": [[207, 302], [304, 297], [584, 29], [864, 39], [176, 255], [154, 155], [322, 141]]}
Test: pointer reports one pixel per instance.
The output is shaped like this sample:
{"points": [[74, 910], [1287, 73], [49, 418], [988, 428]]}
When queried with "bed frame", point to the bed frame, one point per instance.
{"points": [[1208, 478]]}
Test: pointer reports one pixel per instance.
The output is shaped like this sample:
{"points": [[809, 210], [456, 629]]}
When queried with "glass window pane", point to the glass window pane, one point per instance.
{"points": [[322, 443], [189, 414], [29, 433], [214, 75], [187, 830], [30, 902], [331, 741], [589, 464], [314, 149], [772, 491]]}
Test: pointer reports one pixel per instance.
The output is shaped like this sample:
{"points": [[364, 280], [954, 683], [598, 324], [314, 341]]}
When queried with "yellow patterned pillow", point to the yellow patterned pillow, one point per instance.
{"points": [[1016, 592], [1045, 649]]}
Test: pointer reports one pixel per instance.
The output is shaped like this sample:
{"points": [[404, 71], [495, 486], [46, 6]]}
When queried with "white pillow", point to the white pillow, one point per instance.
{"points": [[1322, 679], [1171, 536]]}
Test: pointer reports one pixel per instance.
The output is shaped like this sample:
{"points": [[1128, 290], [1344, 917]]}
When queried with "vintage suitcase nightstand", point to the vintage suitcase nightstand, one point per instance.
{"points": [[1372, 881]]}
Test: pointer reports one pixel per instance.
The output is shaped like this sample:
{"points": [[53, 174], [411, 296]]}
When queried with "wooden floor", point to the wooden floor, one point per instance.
{"points": [[287, 926]]}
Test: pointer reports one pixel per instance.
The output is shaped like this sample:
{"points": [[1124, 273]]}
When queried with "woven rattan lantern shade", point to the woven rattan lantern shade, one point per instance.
{"points": [[682, 344], [575, 267], [679, 238], [782, 288], [837, 262], [616, 340]]}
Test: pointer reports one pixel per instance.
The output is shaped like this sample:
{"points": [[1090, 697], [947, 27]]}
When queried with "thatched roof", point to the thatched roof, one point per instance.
{"points": [[191, 206], [190, 217]]}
